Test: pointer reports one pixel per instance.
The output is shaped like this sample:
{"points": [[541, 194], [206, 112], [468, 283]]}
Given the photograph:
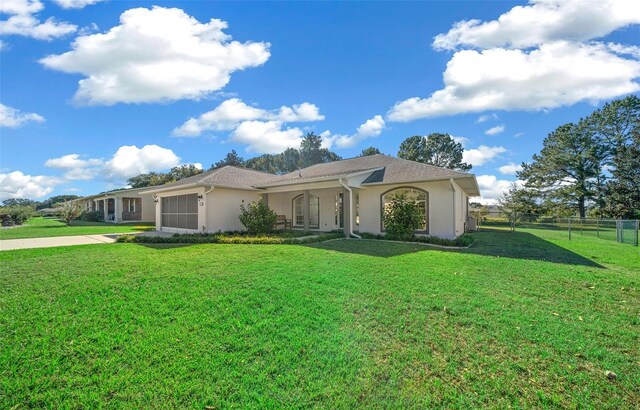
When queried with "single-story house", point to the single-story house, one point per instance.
{"points": [[122, 205], [347, 195]]}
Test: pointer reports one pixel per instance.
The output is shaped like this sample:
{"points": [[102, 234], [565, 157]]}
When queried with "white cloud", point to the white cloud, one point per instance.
{"points": [[461, 140], [304, 112], [230, 113], [481, 155], [370, 128], [71, 161], [156, 55], [486, 117], [18, 185], [76, 4], [13, 118], [130, 161], [510, 169], [633, 51], [495, 130], [23, 22], [492, 188], [543, 21], [502, 79], [266, 136], [76, 168]]}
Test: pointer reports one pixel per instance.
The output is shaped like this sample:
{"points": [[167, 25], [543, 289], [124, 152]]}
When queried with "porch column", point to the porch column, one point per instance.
{"points": [[105, 208], [305, 208], [346, 215], [117, 209]]}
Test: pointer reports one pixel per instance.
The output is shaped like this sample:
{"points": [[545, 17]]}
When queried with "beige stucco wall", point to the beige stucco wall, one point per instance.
{"points": [[223, 208]]}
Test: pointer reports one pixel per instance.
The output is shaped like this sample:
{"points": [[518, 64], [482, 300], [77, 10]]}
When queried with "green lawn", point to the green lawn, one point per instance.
{"points": [[517, 320], [47, 227]]}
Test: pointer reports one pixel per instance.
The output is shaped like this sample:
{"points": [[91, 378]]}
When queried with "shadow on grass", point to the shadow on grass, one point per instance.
{"points": [[370, 247], [524, 245], [489, 242]]}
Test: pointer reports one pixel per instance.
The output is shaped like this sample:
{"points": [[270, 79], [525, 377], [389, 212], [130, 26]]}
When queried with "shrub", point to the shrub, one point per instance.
{"points": [[199, 238], [402, 217], [92, 216], [16, 214], [257, 218], [461, 241], [70, 210]]}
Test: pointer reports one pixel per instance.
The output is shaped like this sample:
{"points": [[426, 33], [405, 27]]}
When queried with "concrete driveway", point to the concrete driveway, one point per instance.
{"points": [[30, 243]]}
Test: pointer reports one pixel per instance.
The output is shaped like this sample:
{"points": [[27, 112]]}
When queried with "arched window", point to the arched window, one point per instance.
{"points": [[314, 211], [420, 197]]}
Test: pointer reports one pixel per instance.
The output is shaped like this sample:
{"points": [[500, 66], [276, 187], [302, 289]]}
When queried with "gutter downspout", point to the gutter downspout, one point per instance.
{"points": [[453, 187], [345, 186]]}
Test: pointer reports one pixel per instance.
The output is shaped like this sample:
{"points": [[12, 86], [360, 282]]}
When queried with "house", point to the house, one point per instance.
{"points": [[122, 205], [348, 195]]}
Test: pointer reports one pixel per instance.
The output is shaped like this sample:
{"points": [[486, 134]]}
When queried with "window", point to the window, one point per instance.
{"points": [[180, 211], [131, 205], [338, 211], [420, 197], [314, 211]]}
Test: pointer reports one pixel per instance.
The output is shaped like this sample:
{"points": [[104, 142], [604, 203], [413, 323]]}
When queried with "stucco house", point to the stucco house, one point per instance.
{"points": [[122, 206], [349, 195]]}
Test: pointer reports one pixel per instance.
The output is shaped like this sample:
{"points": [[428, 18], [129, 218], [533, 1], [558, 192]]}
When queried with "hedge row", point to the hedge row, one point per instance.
{"points": [[461, 241], [226, 239]]}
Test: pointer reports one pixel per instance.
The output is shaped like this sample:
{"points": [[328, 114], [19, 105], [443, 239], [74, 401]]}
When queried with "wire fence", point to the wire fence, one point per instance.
{"points": [[618, 230]]}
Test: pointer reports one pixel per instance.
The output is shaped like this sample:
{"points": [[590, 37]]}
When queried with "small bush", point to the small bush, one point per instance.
{"points": [[461, 241], [70, 210], [258, 218], [402, 217], [16, 214], [92, 216]]}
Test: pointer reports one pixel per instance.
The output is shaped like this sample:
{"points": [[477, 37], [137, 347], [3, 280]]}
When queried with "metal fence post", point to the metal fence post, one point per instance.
{"points": [[569, 219], [636, 236], [597, 228]]}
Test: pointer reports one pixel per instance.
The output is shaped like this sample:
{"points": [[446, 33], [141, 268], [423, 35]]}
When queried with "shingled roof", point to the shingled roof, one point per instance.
{"points": [[384, 170]]}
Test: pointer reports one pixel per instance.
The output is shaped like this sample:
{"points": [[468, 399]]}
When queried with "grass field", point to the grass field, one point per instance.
{"points": [[517, 320], [48, 227]]}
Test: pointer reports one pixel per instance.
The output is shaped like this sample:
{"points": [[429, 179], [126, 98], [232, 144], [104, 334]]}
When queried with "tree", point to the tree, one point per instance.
{"points": [[183, 171], [70, 210], [311, 150], [435, 149], [622, 192], [150, 179], [413, 149], [616, 123], [290, 160], [265, 163], [369, 151], [19, 202], [521, 200], [231, 158], [568, 168], [55, 200]]}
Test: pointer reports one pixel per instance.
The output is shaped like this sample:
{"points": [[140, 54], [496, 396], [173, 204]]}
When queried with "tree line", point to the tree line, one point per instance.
{"points": [[435, 149], [590, 167]]}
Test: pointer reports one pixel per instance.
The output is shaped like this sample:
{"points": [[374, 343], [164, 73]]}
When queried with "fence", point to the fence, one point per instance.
{"points": [[619, 230]]}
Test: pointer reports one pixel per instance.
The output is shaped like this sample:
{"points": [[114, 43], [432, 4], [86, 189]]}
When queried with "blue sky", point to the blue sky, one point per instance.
{"points": [[94, 92]]}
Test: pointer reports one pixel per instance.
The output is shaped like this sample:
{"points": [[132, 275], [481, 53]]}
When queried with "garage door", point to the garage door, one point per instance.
{"points": [[180, 211]]}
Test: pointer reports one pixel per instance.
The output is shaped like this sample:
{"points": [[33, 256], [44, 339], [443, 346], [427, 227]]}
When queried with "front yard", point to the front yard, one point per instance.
{"points": [[39, 227], [519, 320]]}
